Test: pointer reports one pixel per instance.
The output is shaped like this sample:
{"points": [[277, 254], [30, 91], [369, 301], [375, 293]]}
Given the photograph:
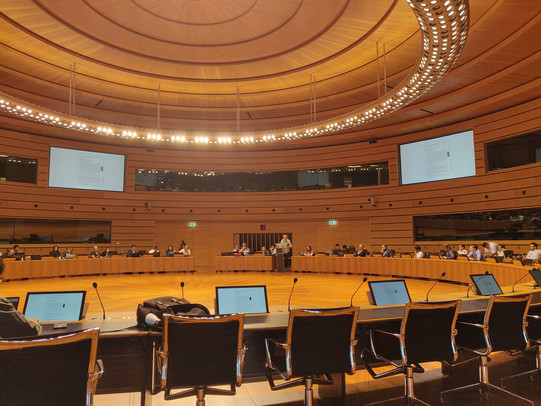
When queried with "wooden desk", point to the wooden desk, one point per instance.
{"points": [[93, 266], [245, 263], [457, 271]]}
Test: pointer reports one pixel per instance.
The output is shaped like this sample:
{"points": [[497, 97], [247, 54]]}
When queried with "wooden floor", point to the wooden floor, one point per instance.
{"points": [[122, 293]]}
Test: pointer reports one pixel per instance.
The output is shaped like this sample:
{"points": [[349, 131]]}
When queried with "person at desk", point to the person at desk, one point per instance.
{"points": [[55, 253], [418, 252], [361, 252], [17, 252], [10, 253], [132, 253], [385, 252], [154, 251], [534, 252], [462, 250], [265, 251], [337, 250], [490, 248], [186, 251], [272, 249], [500, 251], [68, 254], [475, 254], [170, 252], [237, 248], [182, 245], [309, 252], [448, 252], [12, 322], [95, 253], [106, 253], [245, 250]]}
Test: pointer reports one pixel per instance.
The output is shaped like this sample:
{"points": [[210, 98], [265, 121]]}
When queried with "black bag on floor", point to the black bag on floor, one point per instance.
{"points": [[150, 312]]}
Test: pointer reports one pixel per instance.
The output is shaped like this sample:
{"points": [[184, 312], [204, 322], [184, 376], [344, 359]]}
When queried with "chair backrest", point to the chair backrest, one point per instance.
{"points": [[505, 318], [429, 331], [48, 371], [534, 325], [202, 350], [321, 341]]}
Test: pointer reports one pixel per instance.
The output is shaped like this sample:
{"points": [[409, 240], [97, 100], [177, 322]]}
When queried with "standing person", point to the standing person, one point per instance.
{"points": [[55, 253], [12, 322], [286, 246]]}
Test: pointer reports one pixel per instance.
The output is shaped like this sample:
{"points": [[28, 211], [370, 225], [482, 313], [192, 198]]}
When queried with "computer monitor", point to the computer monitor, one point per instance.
{"points": [[485, 284], [14, 301], [241, 299], [55, 306], [536, 275], [391, 292]]}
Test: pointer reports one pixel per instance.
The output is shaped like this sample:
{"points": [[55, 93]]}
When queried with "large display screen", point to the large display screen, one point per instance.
{"points": [[449, 157], [75, 169], [241, 299]]}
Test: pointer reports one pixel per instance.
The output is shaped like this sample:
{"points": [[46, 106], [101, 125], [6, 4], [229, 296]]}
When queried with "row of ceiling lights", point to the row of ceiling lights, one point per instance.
{"points": [[444, 25]]}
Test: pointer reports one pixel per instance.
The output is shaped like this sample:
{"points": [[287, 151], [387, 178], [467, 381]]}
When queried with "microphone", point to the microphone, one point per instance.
{"points": [[521, 278], [473, 284], [182, 287], [435, 283], [356, 290], [289, 300], [95, 286]]}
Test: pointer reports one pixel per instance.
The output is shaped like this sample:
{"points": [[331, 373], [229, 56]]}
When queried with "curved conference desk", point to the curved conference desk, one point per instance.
{"points": [[46, 268]]}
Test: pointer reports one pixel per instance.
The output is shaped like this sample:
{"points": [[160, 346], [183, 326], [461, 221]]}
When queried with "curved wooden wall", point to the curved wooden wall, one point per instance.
{"points": [[305, 213]]}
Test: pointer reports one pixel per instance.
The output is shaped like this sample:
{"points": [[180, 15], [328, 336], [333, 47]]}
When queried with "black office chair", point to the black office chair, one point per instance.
{"points": [[427, 334], [50, 371], [503, 328], [199, 352], [318, 344]]}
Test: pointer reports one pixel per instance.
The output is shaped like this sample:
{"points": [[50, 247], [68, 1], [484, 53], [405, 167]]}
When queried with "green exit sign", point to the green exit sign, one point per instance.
{"points": [[192, 224], [332, 222]]}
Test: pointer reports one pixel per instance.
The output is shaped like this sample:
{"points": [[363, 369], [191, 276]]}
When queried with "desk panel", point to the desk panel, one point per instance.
{"points": [[245, 263]]}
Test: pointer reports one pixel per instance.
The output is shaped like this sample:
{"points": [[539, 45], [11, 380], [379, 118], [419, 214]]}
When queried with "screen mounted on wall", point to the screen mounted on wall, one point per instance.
{"points": [[75, 169], [449, 157]]}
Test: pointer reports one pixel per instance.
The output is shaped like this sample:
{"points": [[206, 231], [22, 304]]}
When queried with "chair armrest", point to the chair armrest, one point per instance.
{"points": [[241, 354], [162, 366], [473, 337], [98, 372], [283, 347], [382, 351], [471, 324]]}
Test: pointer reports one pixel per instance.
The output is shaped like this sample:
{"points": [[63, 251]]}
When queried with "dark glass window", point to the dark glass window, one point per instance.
{"points": [[17, 169], [515, 151], [308, 179], [521, 224]]}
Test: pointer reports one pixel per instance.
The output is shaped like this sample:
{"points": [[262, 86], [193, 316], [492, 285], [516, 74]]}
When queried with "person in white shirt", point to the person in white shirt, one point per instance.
{"points": [[534, 252], [186, 250], [462, 250], [418, 252]]}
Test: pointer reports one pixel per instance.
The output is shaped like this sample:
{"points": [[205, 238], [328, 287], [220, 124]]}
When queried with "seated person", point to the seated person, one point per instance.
{"points": [[17, 252], [344, 249], [95, 253], [309, 251], [170, 252], [272, 250], [462, 250], [154, 251], [418, 252], [186, 250], [385, 252], [500, 252], [361, 252], [10, 253], [55, 253], [106, 253], [245, 250], [132, 253], [237, 248], [448, 252], [68, 253], [265, 251], [534, 252], [12, 322], [337, 250], [475, 254], [489, 248]]}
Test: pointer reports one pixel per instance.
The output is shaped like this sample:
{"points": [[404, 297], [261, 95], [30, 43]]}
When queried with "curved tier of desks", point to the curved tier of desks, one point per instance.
{"points": [[92, 266], [456, 270], [245, 263]]}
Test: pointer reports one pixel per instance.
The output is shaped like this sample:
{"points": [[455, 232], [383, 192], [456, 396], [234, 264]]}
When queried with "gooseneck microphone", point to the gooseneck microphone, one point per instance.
{"points": [[182, 288], [289, 300], [356, 290], [95, 286], [473, 284], [521, 278], [435, 283]]}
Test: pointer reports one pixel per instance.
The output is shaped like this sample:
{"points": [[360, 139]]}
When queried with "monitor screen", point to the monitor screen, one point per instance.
{"points": [[536, 275], [448, 157], [392, 292], [75, 169], [241, 299], [486, 284], [55, 306], [14, 301]]}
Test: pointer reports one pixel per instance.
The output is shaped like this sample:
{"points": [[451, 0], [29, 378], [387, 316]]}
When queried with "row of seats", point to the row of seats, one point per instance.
{"points": [[198, 352]]}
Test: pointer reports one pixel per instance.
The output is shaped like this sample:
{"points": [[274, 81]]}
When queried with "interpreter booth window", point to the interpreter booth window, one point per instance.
{"points": [[44, 231], [515, 151], [520, 224], [308, 179], [17, 169]]}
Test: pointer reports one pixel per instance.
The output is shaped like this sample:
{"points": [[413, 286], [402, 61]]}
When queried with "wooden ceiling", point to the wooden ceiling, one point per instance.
{"points": [[199, 52]]}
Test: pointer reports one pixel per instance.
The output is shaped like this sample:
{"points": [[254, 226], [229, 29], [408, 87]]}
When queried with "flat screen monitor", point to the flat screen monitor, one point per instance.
{"points": [[486, 284], [14, 301], [448, 157], [55, 306], [75, 169], [241, 299], [536, 275], [388, 293]]}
